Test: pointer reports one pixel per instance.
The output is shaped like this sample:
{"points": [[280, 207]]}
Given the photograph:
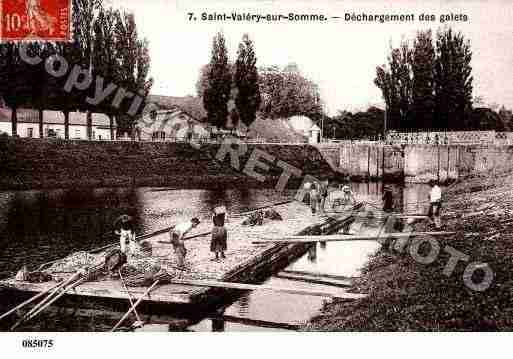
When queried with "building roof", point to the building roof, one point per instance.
{"points": [[300, 123], [314, 128], [26, 115], [191, 105]]}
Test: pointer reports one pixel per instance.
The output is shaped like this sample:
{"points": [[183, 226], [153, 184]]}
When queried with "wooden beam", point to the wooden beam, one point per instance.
{"points": [[244, 286], [341, 238], [260, 208], [384, 216], [314, 280], [256, 322], [318, 275]]}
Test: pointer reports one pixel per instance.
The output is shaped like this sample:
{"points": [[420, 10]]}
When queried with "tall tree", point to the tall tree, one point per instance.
{"points": [[16, 78], [402, 72], [133, 65], [385, 82], [217, 92], [247, 100], [87, 10], [395, 82], [286, 92], [423, 61], [452, 79], [104, 58]]}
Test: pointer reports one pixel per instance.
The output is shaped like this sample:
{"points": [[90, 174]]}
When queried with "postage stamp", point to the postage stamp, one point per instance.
{"points": [[48, 20]]}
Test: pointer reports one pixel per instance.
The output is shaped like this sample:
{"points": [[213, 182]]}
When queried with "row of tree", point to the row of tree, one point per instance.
{"points": [[428, 85], [105, 43], [234, 92], [221, 82]]}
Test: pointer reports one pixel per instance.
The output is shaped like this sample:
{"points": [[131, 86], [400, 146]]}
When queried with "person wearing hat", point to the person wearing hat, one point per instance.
{"points": [[219, 235], [348, 195], [124, 228], [177, 235], [314, 198]]}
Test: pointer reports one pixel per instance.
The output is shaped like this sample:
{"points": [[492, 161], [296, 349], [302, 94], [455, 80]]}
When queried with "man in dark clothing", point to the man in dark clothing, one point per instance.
{"points": [[388, 200], [218, 243], [324, 195]]}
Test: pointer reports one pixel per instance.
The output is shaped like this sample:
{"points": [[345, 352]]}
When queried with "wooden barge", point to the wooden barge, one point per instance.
{"points": [[245, 263]]}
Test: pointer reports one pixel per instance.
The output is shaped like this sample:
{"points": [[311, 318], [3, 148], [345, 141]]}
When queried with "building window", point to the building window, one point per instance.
{"points": [[158, 136], [153, 114], [30, 132], [50, 132]]}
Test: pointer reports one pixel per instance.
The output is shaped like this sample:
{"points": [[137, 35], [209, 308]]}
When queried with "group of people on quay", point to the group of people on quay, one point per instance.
{"points": [[319, 194], [125, 229]]}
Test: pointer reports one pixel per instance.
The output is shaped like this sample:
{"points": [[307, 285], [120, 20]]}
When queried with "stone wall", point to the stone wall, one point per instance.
{"points": [[421, 163]]}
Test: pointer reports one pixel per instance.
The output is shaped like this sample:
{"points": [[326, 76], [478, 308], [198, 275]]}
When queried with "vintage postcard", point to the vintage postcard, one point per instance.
{"points": [[243, 166]]}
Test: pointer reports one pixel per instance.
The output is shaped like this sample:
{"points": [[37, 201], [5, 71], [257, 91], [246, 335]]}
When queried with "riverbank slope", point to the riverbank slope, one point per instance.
{"points": [[405, 295], [36, 163]]}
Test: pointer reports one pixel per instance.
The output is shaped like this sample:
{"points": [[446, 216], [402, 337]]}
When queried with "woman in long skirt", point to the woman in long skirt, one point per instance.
{"points": [[218, 244]]}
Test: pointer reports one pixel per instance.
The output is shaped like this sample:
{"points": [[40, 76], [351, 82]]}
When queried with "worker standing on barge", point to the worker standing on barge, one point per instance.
{"points": [[435, 203], [219, 235], [124, 228], [388, 199], [177, 235]]}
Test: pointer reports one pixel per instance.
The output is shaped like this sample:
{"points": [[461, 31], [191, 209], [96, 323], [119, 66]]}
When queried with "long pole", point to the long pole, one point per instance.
{"points": [[134, 306], [64, 291], [129, 296], [341, 238], [45, 303], [49, 297], [245, 286], [28, 301]]}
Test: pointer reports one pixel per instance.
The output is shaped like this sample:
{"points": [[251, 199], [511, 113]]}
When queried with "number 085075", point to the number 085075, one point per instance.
{"points": [[37, 343]]}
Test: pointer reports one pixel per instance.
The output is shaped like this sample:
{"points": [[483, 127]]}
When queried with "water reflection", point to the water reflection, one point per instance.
{"points": [[38, 226], [312, 254]]}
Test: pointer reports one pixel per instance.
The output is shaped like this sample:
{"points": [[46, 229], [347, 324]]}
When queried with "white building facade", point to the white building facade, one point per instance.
{"points": [[53, 124], [170, 125]]}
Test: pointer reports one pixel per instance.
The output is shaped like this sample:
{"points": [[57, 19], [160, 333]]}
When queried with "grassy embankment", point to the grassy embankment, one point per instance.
{"points": [[408, 296], [34, 163]]}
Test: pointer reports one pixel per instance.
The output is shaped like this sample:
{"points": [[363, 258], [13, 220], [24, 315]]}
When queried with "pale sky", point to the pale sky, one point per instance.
{"points": [[339, 56]]}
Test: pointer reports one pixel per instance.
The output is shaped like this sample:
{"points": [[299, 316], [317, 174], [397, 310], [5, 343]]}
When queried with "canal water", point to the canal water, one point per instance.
{"points": [[39, 226]]}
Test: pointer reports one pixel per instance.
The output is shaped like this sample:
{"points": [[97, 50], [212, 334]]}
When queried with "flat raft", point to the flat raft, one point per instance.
{"points": [[245, 263]]}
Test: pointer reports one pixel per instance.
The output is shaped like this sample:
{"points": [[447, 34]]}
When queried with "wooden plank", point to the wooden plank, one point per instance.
{"points": [[244, 286], [384, 216], [318, 275], [341, 238], [315, 280], [256, 322], [263, 207]]}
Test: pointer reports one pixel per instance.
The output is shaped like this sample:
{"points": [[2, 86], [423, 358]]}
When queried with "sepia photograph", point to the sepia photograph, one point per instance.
{"points": [[255, 166]]}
